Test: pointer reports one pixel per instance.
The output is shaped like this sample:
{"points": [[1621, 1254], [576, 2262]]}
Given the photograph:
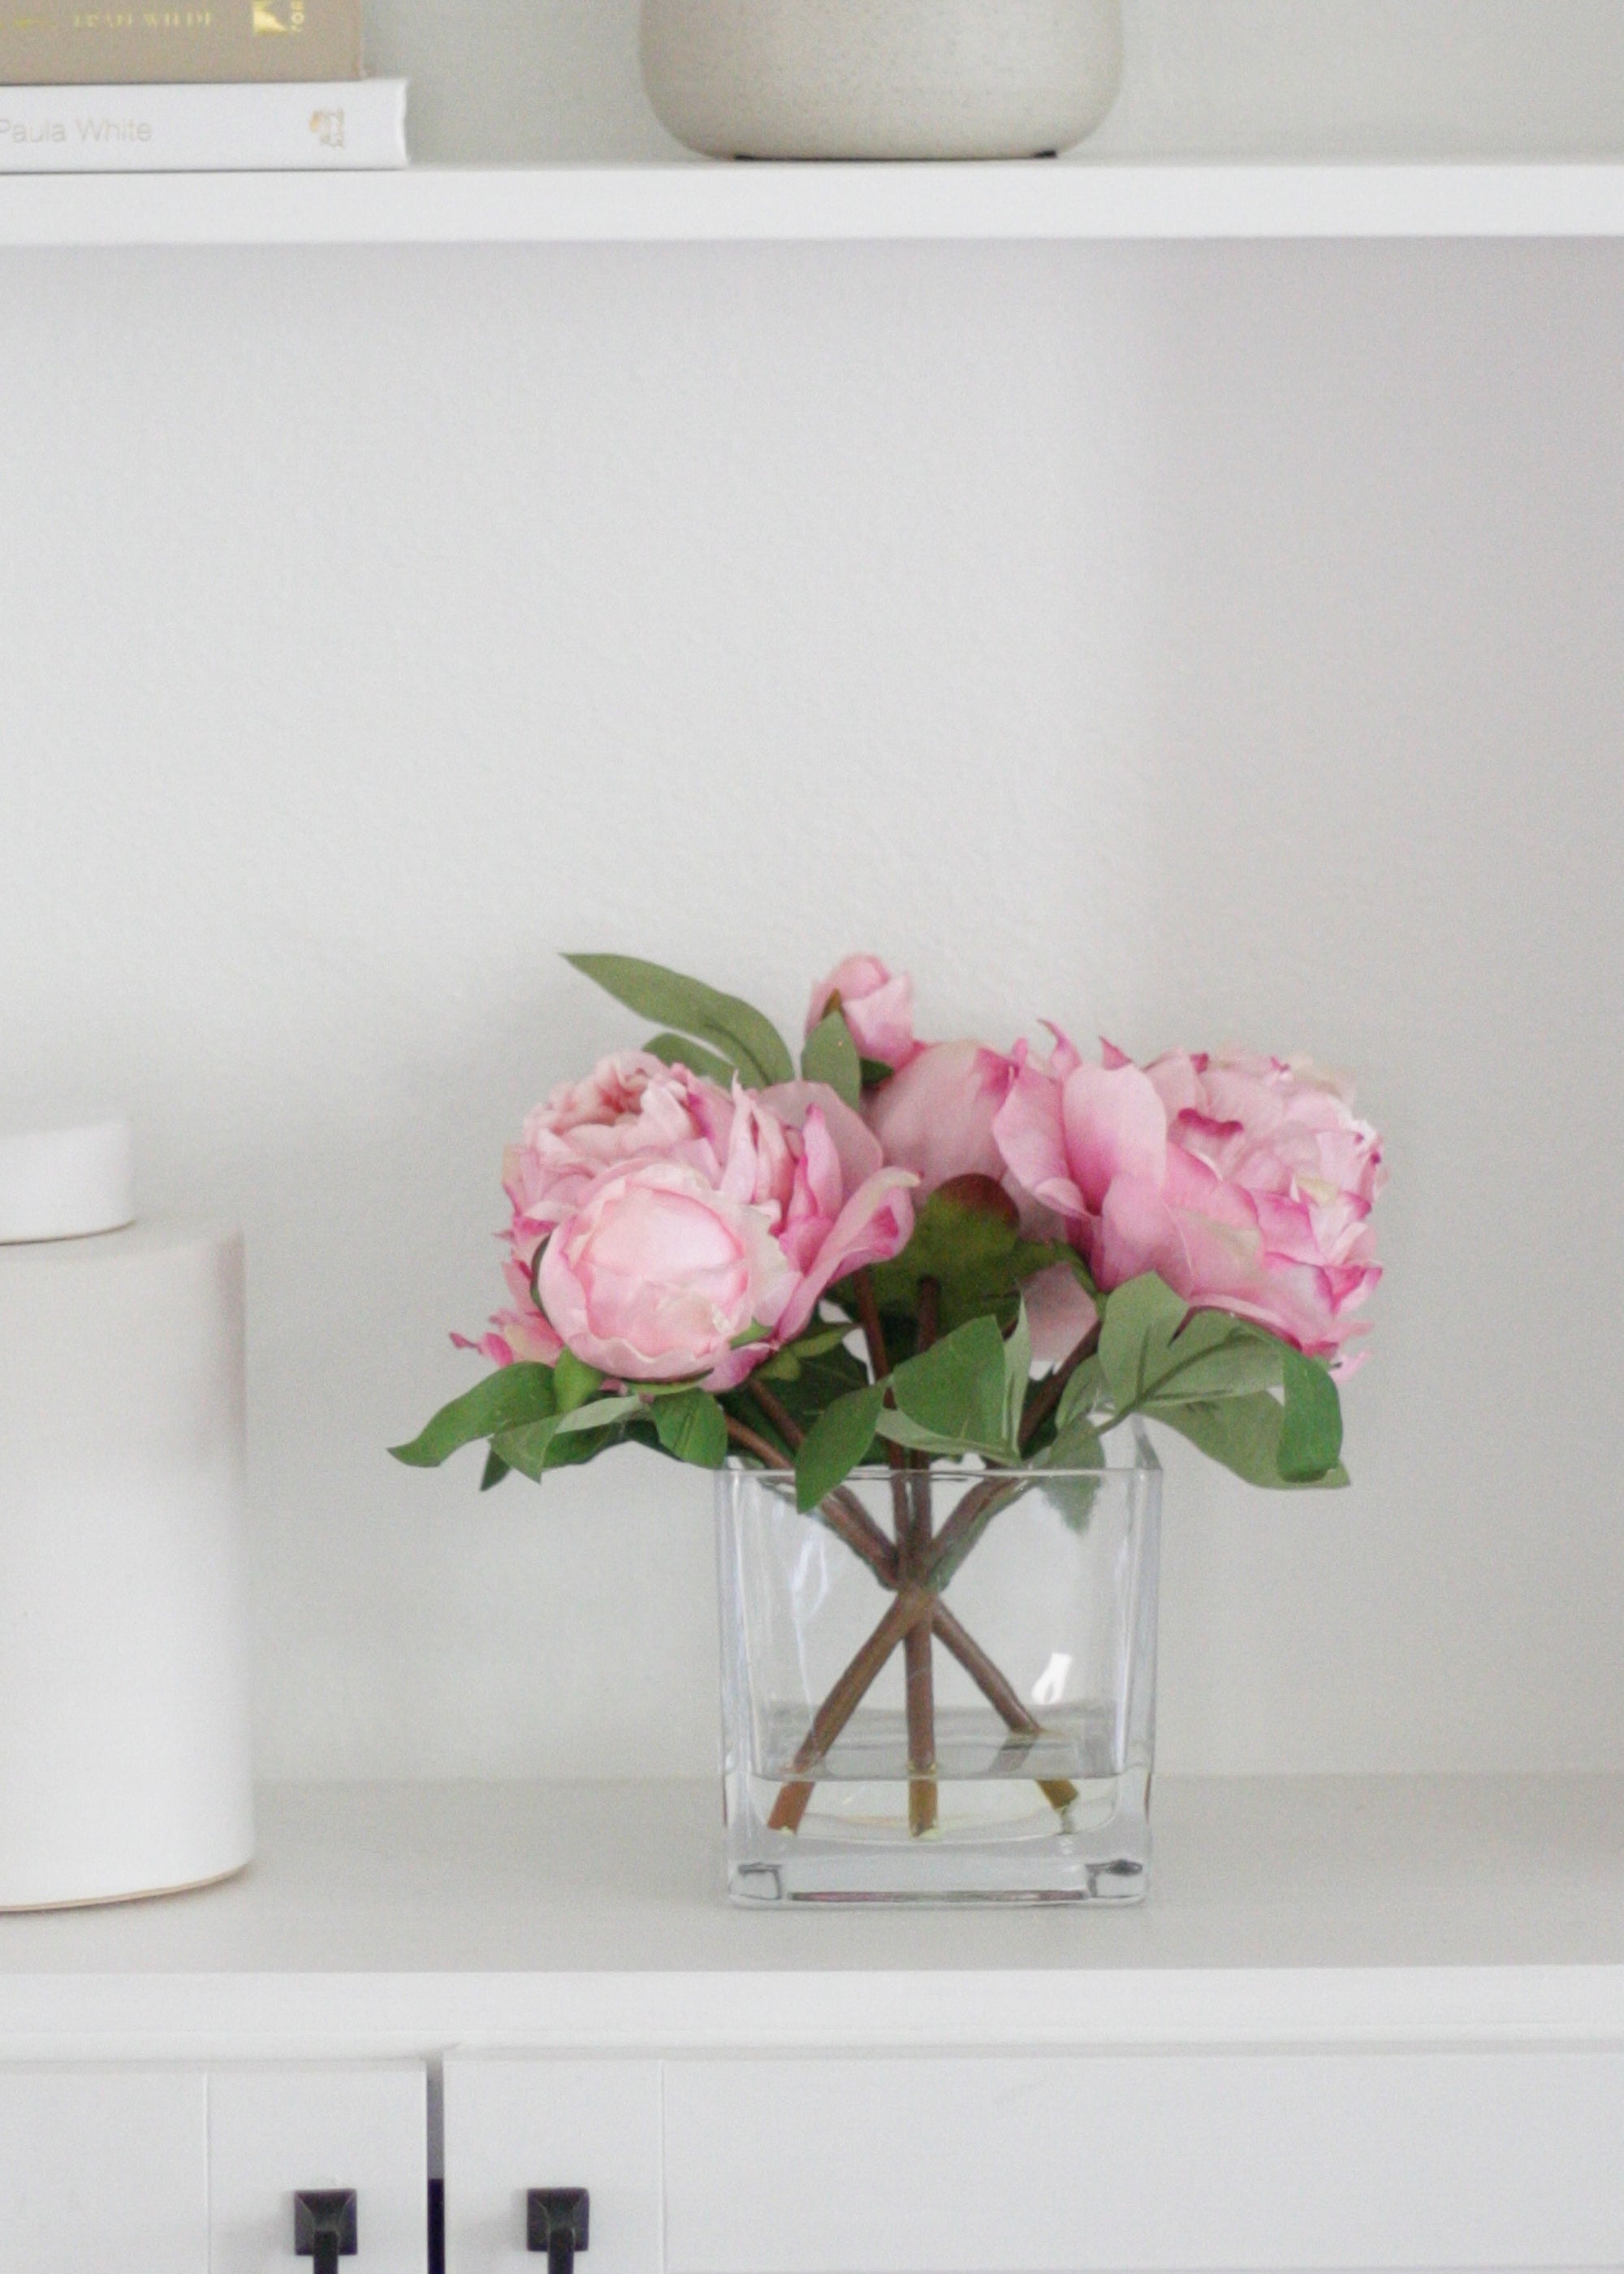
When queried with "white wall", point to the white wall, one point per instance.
{"points": [[1193, 643]]}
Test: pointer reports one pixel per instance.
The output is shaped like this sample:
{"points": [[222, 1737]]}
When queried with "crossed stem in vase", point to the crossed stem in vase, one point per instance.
{"points": [[916, 1568]]}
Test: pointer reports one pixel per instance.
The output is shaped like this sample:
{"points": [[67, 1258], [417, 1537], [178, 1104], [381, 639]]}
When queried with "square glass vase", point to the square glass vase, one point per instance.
{"points": [[940, 1686]]}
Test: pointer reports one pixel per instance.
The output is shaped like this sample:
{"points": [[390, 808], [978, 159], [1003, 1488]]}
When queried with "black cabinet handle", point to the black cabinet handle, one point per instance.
{"points": [[324, 2227], [558, 2221]]}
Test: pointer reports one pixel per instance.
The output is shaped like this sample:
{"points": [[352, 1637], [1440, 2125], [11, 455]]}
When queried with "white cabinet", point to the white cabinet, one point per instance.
{"points": [[1053, 2164], [103, 2169], [274, 2132], [182, 2171], [514, 2125]]}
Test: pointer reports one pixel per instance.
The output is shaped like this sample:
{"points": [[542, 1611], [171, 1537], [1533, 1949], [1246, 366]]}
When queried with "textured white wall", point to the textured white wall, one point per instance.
{"points": [[1191, 643]]}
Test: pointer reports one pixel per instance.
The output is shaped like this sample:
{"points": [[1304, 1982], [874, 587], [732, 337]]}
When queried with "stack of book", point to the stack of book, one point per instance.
{"points": [[203, 85]]}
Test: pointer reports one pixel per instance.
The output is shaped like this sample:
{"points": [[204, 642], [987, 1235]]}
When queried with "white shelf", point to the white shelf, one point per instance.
{"points": [[411, 1918], [699, 202]]}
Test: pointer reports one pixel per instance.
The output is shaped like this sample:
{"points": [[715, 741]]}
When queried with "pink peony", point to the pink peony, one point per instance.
{"points": [[878, 1009], [658, 1274], [1245, 1182], [631, 1107], [937, 1116], [655, 1267]]}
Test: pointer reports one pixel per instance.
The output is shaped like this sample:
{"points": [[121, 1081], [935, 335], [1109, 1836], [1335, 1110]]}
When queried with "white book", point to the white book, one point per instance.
{"points": [[268, 126]]}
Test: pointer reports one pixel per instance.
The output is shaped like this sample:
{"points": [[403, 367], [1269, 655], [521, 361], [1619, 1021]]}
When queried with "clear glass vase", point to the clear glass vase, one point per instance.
{"points": [[941, 1686]]}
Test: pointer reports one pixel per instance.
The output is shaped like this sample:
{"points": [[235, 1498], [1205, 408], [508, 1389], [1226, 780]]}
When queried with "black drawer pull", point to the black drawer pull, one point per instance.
{"points": [[324, 2226], [558, 2221]]}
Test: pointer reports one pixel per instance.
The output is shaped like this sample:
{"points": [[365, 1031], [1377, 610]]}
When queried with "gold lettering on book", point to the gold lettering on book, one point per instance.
{"points": [[278, 16]]}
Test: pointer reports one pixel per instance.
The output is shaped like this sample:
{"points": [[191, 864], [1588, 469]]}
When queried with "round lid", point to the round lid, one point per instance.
{"points": [[63, 1184]]}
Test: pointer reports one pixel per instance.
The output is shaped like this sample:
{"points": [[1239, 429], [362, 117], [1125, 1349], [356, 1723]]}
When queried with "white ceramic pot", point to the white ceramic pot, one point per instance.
{"points": [[124, 1765], [881, 79]]}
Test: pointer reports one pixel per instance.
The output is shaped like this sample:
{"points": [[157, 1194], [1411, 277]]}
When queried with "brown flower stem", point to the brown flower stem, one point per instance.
{"points": [[843, 1512], [777, 1413], [929, 1313], [868, 1319], [965, 1526], [912, 1605], [918, 1674], [1000, 1692], [1052, 1391], [751, 1440]]}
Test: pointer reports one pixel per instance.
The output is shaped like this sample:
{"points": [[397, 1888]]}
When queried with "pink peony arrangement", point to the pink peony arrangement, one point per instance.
{"points": [[920, 1250]]}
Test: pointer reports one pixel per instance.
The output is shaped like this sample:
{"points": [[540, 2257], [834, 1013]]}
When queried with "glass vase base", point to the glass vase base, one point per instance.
{"points": [[993, 1840]]}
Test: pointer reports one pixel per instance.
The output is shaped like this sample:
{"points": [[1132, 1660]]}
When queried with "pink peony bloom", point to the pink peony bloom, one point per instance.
{"points": [[654, 1268], [936, 1116], [1245, 1182], [631, 1107], [658, 1274], [878, 1009]]}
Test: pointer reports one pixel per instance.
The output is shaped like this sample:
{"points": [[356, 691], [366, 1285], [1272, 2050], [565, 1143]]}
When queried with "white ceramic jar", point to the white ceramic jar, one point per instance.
{"points": [[124, 1765], [881, 79]]}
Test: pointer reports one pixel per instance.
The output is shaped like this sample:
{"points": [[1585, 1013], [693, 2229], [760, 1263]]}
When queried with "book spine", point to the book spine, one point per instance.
{"points": [[264, 128], [64, 44]]}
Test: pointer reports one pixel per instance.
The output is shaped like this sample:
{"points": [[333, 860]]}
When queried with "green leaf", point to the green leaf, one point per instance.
{"points": [[1243, 1434], [1310, 1436], [836, 1443], [1081, 1394], [693, 1008], [576, 1381], [1016, 1374], [830, 1056], [676, 1051], [598, 1413], [566, 1439], [873, 1072], [502, 1401], [957, 1390], [1152, 1347], [694, 1428], [1078, 1446], [785, 1365], [495, 1470], [526, 1449], [975, 1255]]}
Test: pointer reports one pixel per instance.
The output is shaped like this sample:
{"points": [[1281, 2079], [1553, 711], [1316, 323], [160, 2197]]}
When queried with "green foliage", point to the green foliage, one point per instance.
{"points": [[1243, 1433], [692, 1427], [504, 1400], [830, 1056], [974, 1250], [739, 1036], [837, 1442], [575, 1383], [1213, 1378], [1311, 1437], [564, 1439]]}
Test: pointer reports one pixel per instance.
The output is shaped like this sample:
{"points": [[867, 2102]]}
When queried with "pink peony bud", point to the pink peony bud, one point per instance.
{"points": [[878, 1009]]}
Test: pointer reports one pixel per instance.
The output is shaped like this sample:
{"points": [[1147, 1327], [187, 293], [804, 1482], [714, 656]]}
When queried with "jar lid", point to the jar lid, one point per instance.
{"points": [[64, 1184]]}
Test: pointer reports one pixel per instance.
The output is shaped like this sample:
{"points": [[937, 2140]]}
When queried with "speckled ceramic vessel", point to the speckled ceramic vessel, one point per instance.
{"points": [[881, 79]]}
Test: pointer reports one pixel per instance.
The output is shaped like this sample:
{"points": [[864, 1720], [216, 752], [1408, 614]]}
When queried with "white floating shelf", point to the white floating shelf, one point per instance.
{"points": [[699, 202]]}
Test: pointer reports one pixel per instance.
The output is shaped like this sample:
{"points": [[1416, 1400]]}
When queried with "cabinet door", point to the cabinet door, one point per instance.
{"points": [[103, 2168], [1069, 2164], [514, 2125], [274, 2132]]}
